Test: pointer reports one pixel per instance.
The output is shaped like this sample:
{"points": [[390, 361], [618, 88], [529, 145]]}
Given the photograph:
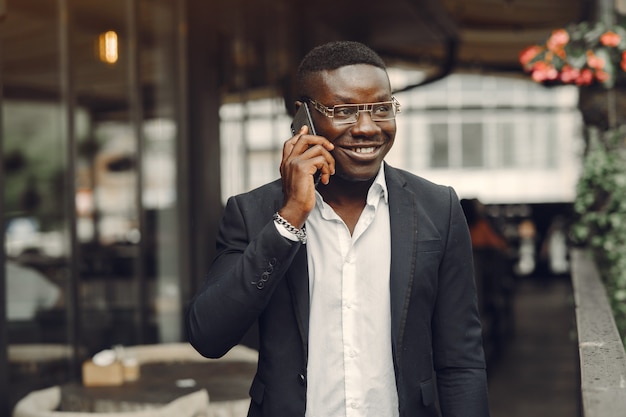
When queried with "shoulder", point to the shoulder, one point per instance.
{"points": [[415, 183], [270, 190], [434, 201], [259, 200]]}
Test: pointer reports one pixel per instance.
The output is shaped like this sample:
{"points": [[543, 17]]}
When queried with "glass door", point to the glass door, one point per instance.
{"points": [[90, 135]]}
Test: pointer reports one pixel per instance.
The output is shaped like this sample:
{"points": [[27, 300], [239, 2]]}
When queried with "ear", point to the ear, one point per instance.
{"points": [[296, 106]]}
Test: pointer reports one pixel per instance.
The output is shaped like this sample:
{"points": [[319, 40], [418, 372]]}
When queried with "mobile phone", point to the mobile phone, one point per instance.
{"points": [[303, 118]]}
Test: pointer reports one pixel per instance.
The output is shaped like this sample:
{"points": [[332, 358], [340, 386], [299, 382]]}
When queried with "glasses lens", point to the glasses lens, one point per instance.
{"points": [[349, 113], [383, 111], [346, 113]]}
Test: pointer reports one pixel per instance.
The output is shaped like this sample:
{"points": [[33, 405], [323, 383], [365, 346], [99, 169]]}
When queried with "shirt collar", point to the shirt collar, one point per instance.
{"points": [[379, 186]]}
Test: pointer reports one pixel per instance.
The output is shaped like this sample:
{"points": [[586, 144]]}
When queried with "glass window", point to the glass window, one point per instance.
{"points": [[252, 135], [36, 222], [549, 146], [505, 140], [472, 145], [124, 108], [259, 133], [439, 148], [263, 168], [471, 82]]}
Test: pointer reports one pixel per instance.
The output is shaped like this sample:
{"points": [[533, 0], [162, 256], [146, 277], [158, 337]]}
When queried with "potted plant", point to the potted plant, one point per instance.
{"points": [[592, 56], [581, 54]]}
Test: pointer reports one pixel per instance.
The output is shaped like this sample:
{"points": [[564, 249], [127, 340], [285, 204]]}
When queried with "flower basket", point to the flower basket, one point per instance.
{"points": [[582, 54], [601, 107]]}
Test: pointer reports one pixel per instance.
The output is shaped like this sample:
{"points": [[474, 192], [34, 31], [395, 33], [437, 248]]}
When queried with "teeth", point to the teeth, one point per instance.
{"points": [[365, 150]]}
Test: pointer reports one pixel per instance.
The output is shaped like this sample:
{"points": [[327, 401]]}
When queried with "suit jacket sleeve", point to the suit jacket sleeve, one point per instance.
{"points": [[457, 336], [252, 257]]}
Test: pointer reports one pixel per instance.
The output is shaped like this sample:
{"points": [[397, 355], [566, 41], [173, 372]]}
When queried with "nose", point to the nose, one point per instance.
{"points": [[364, 124]]}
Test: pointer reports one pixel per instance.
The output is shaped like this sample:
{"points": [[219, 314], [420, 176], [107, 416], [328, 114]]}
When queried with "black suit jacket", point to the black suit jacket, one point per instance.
{"points": [[258, 275]]}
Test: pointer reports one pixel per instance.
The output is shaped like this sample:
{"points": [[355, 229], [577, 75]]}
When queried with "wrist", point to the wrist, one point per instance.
{"points": [[294, 214], [299, 233]]}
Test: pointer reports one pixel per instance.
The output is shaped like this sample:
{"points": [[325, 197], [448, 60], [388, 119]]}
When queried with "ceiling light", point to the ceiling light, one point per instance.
{"points": [[108, 47]]}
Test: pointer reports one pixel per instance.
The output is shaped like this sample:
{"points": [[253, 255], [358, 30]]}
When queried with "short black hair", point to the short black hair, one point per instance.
{"points": [[333, 55]]}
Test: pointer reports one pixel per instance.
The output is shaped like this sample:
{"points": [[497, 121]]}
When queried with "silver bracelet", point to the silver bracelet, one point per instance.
{"points": [[299, 233]]}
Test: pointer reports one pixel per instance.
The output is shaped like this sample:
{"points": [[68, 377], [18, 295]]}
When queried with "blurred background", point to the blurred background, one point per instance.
{"points": [[126, 124]]}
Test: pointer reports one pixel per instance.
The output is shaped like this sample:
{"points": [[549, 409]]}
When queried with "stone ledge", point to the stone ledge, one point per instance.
{"points": [[602, 356]]}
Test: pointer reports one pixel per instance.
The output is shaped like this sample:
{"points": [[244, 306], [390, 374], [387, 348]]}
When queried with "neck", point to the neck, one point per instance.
{"points": [[341, 191]]}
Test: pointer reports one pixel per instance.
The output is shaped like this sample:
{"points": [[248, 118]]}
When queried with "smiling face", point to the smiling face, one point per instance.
{"points": [[360, 147]]}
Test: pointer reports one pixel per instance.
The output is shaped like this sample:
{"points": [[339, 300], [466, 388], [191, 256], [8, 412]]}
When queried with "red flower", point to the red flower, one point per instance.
{"points": [[569, 74], [610, 38], [602, 76], [526, 55], [542, 71], [556, 60], [585, 77], [558, 39], [595, 61]]}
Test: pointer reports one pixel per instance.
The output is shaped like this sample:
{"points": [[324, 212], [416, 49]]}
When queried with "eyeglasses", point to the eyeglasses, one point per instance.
{"points": [[343, 114]]}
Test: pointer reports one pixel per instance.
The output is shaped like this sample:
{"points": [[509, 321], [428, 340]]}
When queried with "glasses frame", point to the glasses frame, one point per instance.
{"points": [[361, 107]]}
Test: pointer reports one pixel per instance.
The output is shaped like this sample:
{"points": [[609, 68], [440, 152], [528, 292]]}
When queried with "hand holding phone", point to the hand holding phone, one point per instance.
{"points": [[304, 152], [303, 118]]}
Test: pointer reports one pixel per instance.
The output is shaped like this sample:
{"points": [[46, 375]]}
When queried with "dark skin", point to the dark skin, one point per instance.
{"points": [[348, 156]]}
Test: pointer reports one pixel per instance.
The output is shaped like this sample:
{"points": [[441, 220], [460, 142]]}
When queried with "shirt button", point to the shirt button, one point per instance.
{"points": [[354, 405]]}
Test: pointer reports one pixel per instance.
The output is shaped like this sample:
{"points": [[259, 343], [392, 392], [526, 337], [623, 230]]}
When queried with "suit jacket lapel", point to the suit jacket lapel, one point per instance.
{"points": [[403, 221]]}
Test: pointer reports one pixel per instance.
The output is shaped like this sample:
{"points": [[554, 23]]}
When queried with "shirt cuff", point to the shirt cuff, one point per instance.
{"points": [[285, 233]]}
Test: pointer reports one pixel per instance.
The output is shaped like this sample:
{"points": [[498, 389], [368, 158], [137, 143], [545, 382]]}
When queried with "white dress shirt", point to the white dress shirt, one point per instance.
{"points": [[350, 367]]}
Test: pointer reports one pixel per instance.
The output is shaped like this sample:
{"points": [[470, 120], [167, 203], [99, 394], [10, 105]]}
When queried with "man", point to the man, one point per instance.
{"points": [[362, 285]]}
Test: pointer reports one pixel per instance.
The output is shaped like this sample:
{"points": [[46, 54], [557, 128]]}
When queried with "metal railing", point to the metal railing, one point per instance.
{"points": [[602, 357]]}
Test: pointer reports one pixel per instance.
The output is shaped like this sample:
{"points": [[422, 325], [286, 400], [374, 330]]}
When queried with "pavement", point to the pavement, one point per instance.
{"points": [[537, 374]]}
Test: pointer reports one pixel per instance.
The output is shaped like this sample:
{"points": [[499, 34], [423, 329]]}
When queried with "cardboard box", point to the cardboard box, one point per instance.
{"points": [[98, 375]]}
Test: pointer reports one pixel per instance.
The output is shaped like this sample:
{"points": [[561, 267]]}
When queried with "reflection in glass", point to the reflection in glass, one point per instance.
{"points": [[123, 115]]}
